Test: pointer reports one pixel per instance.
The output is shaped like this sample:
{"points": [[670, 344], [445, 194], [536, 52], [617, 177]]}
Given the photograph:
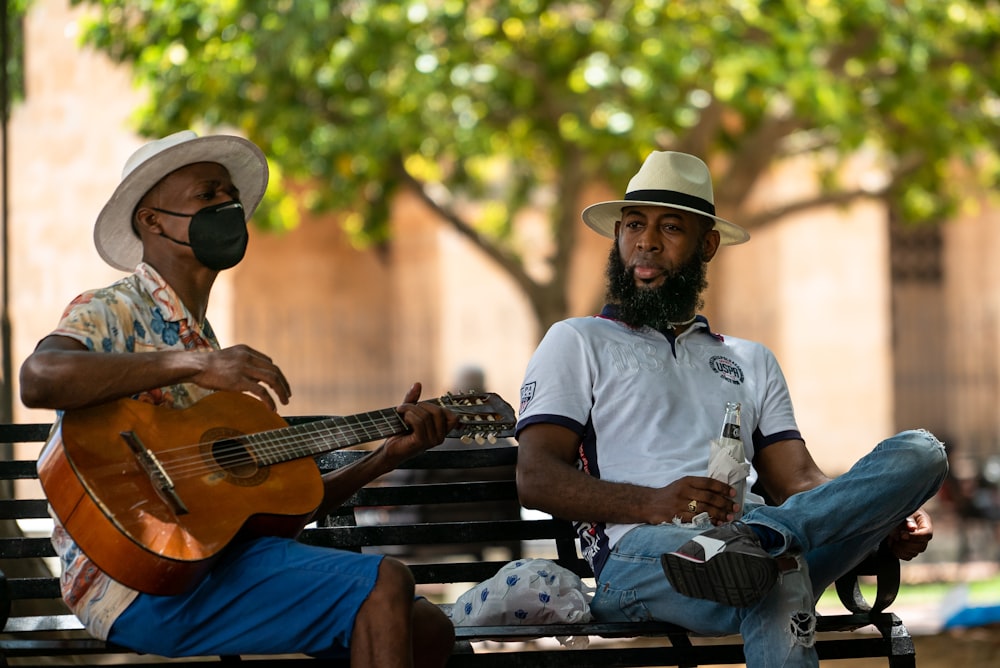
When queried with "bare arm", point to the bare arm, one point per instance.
{"points": [[429, 424], [548, 480], [63, 374], [786, 468]]}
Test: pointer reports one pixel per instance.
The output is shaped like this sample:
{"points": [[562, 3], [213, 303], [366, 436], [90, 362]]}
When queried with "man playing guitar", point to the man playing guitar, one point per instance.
{"points": [[176, 220]]}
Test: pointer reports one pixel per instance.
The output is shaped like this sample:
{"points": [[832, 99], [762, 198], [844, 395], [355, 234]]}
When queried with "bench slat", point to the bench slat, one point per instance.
{"points": [[20, 547], [444, 532], [20, 509], [37, 623], [24, 433], [440, 493], [470, 458], [17, 470], [33, 588]]}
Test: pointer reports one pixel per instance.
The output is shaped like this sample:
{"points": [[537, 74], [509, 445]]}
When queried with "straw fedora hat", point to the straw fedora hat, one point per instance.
{"points": [[116, 242], [670, 179]]}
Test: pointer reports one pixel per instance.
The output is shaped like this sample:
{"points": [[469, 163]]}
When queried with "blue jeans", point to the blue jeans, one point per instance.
{"points": [[829, 529]]}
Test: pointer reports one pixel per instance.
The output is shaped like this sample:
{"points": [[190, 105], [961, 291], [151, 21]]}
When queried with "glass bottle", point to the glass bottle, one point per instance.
{"points": [[731, 442]]}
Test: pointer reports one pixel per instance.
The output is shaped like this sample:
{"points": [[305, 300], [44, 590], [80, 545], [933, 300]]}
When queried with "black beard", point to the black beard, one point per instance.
{"points": [[675, 301]]}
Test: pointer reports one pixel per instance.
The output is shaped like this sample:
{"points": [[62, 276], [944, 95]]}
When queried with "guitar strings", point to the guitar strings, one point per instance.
{"points": [[277, 445], [296, 441]]}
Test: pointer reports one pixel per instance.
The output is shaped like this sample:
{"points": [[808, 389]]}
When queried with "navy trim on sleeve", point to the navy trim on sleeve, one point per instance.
{"points": [[760, 441], [546, 418]]}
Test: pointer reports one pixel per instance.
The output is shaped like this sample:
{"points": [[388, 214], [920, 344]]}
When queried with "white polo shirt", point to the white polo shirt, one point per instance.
{"points": [[646, 405]]}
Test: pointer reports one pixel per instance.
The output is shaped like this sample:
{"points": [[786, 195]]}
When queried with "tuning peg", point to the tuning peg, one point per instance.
{"points": [[466, 439], [479, 439], [492, 438]]}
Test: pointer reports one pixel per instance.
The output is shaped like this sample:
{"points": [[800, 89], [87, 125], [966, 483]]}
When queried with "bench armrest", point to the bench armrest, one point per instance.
{"points": [[882, 564]]}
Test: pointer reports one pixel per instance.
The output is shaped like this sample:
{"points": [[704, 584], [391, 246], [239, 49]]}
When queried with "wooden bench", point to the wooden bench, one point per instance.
{"points": [[38, 627]]}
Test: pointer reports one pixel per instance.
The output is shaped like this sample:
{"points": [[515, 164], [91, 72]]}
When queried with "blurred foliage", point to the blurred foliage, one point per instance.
{"points": [[14, 48], [508, 103]]}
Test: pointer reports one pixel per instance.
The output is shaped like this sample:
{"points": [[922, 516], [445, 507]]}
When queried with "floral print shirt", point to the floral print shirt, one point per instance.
{"points": [[139, 313]]}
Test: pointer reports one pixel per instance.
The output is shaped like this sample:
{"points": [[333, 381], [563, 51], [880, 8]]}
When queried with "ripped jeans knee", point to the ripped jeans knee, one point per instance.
{"points": [[797, 604], [780, 631], [802, 628]]}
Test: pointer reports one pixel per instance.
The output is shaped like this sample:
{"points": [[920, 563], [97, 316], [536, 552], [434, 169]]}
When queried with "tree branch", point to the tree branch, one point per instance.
{"points": [[905, 166], [698, 140], [506, 260], [842, 197], [755, 154]]}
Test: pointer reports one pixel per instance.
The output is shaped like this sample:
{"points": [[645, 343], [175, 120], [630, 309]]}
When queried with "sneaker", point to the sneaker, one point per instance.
{"points": [[725, 564]]}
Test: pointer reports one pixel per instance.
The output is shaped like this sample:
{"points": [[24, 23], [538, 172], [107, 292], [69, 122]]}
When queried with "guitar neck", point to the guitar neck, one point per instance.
{"points": [[324, 435]]}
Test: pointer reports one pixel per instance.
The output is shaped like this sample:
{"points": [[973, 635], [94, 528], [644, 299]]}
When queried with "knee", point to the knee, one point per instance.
{"points": [[926, 449], [432, 635], [921, 454], [794, 601], [394, 582]]}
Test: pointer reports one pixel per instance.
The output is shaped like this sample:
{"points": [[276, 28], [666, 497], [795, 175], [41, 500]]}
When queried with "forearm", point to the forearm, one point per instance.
{"points": [[339, 485], [67, 379], [802, 485], [786, 468], [564, 491]]}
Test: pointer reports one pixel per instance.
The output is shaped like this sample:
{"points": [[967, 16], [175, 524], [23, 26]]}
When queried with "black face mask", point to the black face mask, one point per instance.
{"points": [[218, 234]]}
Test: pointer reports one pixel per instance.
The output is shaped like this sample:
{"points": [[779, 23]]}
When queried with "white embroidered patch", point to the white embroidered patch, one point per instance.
{"points": [[527, 394]]}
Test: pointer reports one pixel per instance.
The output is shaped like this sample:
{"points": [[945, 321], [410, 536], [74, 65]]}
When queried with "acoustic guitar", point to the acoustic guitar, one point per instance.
{"points": [[152, 495]]}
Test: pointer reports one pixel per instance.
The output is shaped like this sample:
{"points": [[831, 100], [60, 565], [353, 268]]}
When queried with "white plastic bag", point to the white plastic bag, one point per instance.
{"points": [[525, 591]]}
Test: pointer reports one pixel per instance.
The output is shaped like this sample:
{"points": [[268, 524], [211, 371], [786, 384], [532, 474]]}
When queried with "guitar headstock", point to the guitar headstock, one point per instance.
{"points": [[483, 416]]}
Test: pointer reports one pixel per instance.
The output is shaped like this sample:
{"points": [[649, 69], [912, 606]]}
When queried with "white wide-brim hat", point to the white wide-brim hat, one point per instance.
{"points": [[116, 242], [670, 179]]}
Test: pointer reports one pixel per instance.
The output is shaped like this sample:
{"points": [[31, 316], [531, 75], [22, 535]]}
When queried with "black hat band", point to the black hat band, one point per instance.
{"points": [[672, 197]]}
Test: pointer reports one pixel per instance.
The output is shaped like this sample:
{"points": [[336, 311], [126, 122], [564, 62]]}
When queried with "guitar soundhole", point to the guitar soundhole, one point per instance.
{"points": [[233, 458]]}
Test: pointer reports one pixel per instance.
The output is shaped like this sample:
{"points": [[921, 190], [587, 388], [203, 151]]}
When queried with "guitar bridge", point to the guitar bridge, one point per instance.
{"points": [[157, 474]]}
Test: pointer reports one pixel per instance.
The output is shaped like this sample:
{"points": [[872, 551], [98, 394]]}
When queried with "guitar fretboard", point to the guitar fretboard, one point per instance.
{"points": [[314, 438]]}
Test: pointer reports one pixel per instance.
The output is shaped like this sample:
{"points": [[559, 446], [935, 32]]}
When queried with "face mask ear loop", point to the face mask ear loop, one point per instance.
{"points": [[176, 241], [171, 213], [174, 213]]}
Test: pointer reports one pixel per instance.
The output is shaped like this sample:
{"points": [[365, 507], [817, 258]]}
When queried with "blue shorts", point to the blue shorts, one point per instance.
{"points": [[266, 596]]}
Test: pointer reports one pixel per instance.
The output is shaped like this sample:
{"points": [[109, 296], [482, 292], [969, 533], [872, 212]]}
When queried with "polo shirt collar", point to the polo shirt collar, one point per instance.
{"points": [[610, 312]]}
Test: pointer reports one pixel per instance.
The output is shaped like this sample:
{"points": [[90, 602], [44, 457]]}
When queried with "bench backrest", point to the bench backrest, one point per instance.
{"points": [[442, 512]]}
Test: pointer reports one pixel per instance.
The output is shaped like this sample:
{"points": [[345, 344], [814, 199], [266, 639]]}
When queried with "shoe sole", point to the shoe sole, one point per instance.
{"points": [[735, 579]]}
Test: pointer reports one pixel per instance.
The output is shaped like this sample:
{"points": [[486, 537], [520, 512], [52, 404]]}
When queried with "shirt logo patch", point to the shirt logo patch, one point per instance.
{"points": [[727, 369], [527, 393]]}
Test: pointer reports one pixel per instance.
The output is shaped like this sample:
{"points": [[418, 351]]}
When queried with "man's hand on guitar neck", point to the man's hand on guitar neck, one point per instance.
{"points": [[429, 424]]}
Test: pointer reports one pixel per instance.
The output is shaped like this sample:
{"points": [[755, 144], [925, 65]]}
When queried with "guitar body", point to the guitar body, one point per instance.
{"points": [[144, 538], [153, 495]]}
